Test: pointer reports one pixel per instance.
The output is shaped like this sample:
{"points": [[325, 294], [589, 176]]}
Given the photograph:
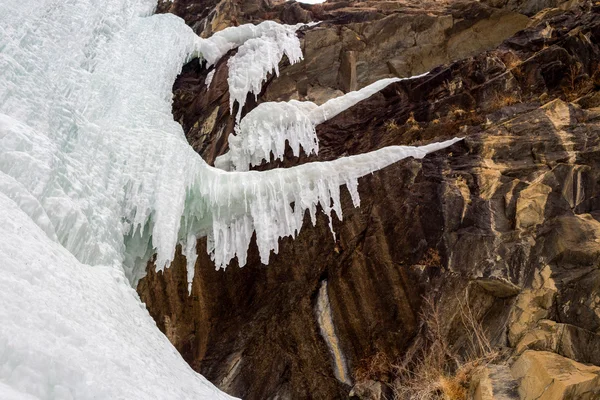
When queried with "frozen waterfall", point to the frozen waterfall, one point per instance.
{"points": [[96, 177]]}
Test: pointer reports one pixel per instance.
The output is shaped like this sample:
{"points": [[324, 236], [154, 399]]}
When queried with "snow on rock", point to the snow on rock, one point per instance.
{"points": [[209, 78], [333, 107], [212, 49]]}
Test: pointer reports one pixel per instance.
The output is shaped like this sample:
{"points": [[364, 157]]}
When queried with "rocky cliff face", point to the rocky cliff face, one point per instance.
{"points": [[505, 224]]}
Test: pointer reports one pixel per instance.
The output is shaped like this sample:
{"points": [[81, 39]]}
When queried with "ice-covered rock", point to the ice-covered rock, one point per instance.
{"points": [[265, 130], [256, 58]]}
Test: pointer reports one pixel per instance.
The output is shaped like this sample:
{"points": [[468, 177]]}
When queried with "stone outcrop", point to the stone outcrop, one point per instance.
{"points": [[564, 339], [494, 382], [546, 376], [508, 219]]}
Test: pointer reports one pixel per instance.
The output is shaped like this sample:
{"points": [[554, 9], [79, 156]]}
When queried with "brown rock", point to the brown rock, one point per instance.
{"points": [[494, 382], [548, 376], [564, 339]]}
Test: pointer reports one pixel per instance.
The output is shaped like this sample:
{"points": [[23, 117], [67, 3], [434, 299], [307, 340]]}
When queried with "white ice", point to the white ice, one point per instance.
{"points": [[71, 331], [209, 78], [96, 177], [265, 130], [258, 57]]}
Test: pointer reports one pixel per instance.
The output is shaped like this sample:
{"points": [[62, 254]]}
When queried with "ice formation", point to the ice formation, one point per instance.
{"points": [[209, 78], [71, 331], [266, 129], [96, 177], [256, 58]]}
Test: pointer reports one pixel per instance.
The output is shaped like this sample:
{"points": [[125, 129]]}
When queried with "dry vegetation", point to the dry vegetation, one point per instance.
{"points": [[431, 259], [504, 100], [436, 371], [575, 82], [390, 126], [440, 372], [578, 82]]}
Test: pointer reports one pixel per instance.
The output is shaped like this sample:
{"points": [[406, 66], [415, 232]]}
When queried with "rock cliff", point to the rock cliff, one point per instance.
{"points": [[505, 224]]}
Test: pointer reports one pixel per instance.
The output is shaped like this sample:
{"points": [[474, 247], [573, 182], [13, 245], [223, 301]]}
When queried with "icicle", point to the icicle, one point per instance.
{"points": [[111, 175], [256, 58], [265, 130], [189, 250], [260, 201]]}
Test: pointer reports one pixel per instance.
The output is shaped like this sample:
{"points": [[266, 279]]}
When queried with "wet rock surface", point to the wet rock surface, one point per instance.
{"points": [[510, 217]]}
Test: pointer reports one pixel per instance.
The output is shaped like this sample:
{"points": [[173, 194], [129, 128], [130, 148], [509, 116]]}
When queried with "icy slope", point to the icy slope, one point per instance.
{"points": [[70, 331], [68, 99]]}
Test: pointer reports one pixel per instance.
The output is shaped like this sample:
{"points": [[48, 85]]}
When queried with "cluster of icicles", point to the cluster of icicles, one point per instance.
{"points": [[275, 202], [101, 159]]}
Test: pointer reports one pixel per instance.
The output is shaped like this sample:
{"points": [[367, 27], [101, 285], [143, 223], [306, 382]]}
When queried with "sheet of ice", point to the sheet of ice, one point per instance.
{"points": [[70, 331], [265, 130]]}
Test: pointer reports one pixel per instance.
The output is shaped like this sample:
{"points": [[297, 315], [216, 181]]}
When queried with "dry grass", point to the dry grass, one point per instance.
{"points": [[578, 82], [411, 121], [440, 372], [504, 100], [377, 367], [390, 126], [513, 62], [573, 76], [431, 259], [456, 113], [436, 371], [518, 72], [573, 85]]}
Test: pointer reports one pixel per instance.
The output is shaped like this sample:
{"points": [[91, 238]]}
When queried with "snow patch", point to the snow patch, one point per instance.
{"points": [[209, 78]]}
